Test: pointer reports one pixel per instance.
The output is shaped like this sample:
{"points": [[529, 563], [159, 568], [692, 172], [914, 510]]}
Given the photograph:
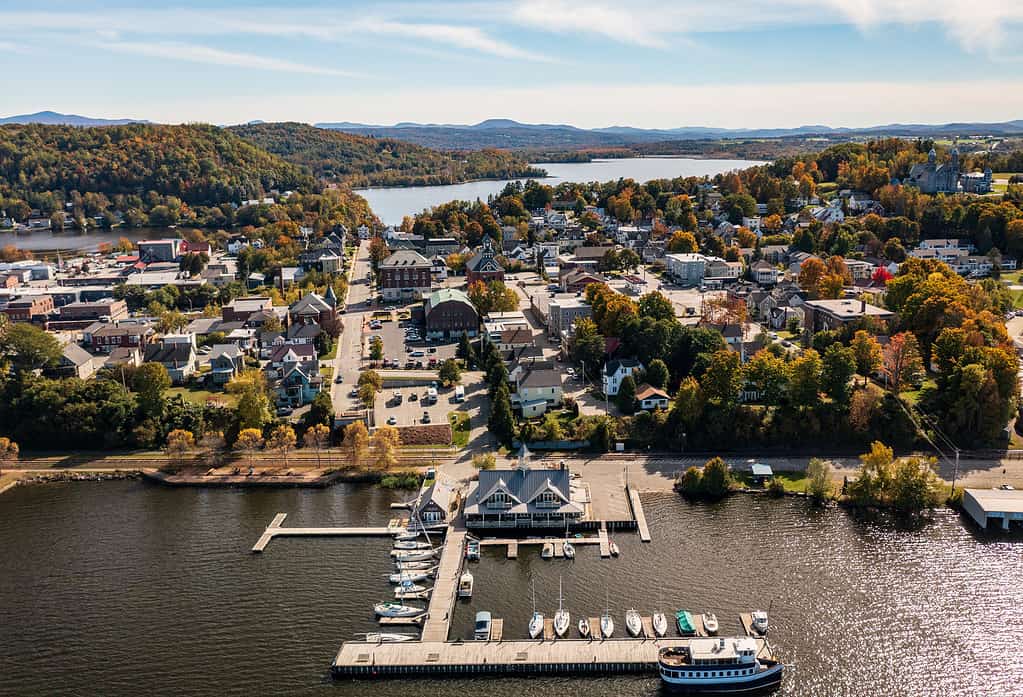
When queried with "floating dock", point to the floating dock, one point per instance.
{"points": [[414, 658], [747, 625], [438, 616], [275, 530], [637, 513]]}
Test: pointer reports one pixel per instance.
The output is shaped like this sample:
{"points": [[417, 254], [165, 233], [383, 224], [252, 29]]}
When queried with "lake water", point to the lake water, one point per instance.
{"points": [[74, 241], [394, 203], [125, 588]]}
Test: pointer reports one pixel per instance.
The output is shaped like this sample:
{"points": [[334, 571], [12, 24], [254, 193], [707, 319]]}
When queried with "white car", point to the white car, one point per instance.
{"points": [[391, 421]]}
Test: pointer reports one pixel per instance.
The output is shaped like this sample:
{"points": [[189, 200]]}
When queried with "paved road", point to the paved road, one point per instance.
{"points": [[349, 351]]}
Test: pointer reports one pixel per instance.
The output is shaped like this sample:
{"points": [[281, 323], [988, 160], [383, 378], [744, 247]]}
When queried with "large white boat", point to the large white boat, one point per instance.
{"points": [[660, 623], [759, 621], [633, 622], [561, 618], [719, 666], [465, 583], [397, 610], [536, 621]]}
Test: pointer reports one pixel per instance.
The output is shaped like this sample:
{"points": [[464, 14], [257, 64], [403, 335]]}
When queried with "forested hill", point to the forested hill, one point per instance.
{"points": [[199, 164], [369, 161]]}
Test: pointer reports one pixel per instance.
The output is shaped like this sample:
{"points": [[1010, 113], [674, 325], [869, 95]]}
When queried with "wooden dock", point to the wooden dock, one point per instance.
{"points": [[637, 513], [604, 541], [275, 529], [497, 629], [548, 629], [418, 658], [595, 628], [438, 617], [648, 627], [401, 621], [513, 550]]}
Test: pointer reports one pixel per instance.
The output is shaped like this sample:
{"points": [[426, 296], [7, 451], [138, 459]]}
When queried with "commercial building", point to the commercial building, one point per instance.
{"points": [[994, 507], [449, 313], [405, 275], [522, 498]]}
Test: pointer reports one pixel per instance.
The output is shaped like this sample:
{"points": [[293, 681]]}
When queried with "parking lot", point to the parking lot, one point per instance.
{"points": [[408, 351], [413, 405]]}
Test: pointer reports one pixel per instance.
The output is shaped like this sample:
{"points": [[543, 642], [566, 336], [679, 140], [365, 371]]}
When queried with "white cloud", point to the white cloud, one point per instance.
{"points": [[453, 35], [214, 56], [855, 104], [613, 22]]}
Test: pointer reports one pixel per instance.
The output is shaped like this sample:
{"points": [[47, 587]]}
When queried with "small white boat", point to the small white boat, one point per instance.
{"points": [[613, 546], [548, 550], [710, 622], [411, 544], [411, 588], [413, 565], [465, 585], [397, 610], [472, 550], [400, 594], [760, 621], [411, 576], [633, 622], [584, 628], [405, 535], [481, 631], [388, 638], [536, 621], [414, 555], [569, 550], [561, 618], [660, 622], [607, 623]]}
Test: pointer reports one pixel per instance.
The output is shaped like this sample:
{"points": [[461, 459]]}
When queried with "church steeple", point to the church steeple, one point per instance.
{"points": [[330, 298]]}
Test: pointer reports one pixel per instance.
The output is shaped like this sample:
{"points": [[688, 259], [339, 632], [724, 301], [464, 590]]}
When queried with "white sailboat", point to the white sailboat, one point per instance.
{"points": [[584, 628], [660, 621], [414, 555], [397, 610], [411, 544], [536, 621], [561, 618], [388, 637], [568, 546], [633, 622], [414, 565], [607, 623], [411, 576], [710, 623]]}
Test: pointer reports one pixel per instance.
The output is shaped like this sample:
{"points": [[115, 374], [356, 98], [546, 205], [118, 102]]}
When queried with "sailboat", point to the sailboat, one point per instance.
{"points": [[411, 544], [633, 622], [660, 621], [584, 628], [561, 617], [710, 623], [397, 610], [387, 637], [536, 621], [607, 623], [568, 546]]}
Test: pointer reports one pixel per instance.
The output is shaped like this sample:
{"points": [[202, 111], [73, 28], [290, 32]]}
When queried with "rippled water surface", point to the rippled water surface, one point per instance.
{"points": [[125, 588]]}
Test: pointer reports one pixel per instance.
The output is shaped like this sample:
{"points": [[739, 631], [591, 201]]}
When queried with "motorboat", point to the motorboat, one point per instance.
{"points": [[411, 545], [388, 637], [717, 665], [660, 623], [710, 623], [584, 628], [607, 623], [482, 628], [413, 565], [411, 576], [684, 620], [414, 555], [401, 594], [613, 547], [411, 588], [569, 550], [633, 622], [472, 550], [465, 585], [397, 610], [536, 620], [561, 618], [548, 550], [759, 621]]}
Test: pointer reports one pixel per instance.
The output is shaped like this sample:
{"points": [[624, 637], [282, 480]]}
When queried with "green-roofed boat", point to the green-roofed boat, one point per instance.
{"points": [[684, 620]]}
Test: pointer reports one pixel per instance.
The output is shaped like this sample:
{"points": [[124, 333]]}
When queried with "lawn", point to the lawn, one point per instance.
{"points": [[792, 481], [460, 428], [198, 395]]}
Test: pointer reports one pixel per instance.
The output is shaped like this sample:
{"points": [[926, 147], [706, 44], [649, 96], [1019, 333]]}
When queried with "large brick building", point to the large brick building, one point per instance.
{"points": [[34, 309], [405, 274], [449, 313]]}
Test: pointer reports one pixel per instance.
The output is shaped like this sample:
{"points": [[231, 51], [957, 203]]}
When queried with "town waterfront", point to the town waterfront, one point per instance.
{"points": [[121, 584], [391, 204], [77, 241]]}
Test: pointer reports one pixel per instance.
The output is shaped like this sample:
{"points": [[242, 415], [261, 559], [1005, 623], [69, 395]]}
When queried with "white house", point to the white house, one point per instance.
{"points": [[650, 397], [615, 371]]}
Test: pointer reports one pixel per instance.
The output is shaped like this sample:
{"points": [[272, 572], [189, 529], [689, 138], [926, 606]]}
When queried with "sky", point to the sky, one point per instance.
{"points": [[591, 63]]}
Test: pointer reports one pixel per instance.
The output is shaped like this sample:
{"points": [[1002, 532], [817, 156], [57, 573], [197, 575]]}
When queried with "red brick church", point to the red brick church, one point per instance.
{"points": [[483, 266]]}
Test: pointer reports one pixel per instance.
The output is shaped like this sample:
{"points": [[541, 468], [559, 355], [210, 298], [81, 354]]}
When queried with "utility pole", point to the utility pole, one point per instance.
{"points": [[955, 473]]}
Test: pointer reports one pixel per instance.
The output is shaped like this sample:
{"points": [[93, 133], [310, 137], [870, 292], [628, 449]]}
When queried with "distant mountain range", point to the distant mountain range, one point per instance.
{"points": [[512, 134], [52, 118]]}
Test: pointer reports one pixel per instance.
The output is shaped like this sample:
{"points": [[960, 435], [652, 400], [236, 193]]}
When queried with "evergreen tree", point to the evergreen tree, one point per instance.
{"points": [[626, 398], [502, 421]]}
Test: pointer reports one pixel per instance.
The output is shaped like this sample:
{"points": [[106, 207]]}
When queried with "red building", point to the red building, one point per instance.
{"points": [[483, 266]]}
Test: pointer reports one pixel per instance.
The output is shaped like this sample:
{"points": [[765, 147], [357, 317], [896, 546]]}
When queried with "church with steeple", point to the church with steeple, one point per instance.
{"points": [[483, 266], [933, 178]]}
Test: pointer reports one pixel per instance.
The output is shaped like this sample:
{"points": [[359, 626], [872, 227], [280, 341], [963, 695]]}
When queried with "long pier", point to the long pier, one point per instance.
{"points": [[275, 529], [637, 513], [438, 615], [360, 659]]}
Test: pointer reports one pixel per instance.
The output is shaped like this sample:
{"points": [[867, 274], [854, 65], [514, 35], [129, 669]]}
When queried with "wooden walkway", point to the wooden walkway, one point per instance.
{"points": [[412, 658], [513, 550], [595, 628], [497, 629], [637, 513], [442, 602], [605, 542], [275, 530]]}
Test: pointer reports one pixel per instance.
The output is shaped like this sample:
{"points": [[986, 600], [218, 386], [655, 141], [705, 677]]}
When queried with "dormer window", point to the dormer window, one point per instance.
{"points": [[500, 498]]}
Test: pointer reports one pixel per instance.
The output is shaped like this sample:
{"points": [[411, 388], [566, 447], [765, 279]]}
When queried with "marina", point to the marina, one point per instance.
{"points": [[275, 529]]}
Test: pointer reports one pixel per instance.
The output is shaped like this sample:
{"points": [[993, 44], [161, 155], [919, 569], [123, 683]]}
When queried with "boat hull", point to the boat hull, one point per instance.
{"points": [[766, 680]]}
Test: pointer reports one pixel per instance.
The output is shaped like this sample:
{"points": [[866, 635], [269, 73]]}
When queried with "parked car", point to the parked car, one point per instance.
{"points": [[413, 397], [285, 411], [433, 349], [426, 417], [391, 421], [339, 379], [418, 354]]}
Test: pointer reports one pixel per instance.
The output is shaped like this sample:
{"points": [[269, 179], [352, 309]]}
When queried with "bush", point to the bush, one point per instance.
{"points": [[400, 480], [484, 461], [776, 488], [712, 482]]}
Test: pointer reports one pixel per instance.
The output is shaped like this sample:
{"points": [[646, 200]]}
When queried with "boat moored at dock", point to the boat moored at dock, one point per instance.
{"points": [[710, 623], [397, 610], [465, 583], [719, 666], [684, 620], [633, 622], [660, 624]]}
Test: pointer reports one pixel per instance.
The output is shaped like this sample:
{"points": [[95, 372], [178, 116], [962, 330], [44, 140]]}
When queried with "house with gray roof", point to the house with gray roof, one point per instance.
{"points": [[522, 498]]}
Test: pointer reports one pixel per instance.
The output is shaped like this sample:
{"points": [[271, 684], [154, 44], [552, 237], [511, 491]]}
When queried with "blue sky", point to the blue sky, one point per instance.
{"points": [[738, 63]]}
